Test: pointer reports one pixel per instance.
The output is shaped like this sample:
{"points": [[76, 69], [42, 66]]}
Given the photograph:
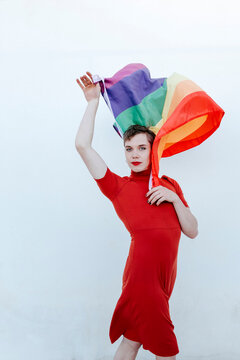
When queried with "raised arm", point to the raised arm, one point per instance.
{"points": [[83, 142]]}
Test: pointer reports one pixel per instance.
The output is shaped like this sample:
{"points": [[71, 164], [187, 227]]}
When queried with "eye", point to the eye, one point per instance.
{"points": [[141, 147]]}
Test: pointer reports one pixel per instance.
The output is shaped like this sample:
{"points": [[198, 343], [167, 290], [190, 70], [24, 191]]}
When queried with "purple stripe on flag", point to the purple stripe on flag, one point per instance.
{"points": [[131, 90], [126, 71]]}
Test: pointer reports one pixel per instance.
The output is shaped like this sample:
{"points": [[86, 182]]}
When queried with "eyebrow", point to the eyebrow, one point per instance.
{"points": [[138, 145]]}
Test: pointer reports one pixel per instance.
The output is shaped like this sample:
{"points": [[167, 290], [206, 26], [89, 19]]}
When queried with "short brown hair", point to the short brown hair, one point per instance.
{"points": [[138, 129]]}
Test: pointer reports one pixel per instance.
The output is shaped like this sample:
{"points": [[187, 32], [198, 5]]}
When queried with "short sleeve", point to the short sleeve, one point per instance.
{"points": [[110, 184], [180, 193], [178, 189]]}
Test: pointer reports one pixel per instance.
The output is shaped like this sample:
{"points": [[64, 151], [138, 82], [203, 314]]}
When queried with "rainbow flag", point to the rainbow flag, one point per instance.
{"points": [[176, 109]]}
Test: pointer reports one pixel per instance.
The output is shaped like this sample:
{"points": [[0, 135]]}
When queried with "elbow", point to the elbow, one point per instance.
{"points": [[193, 231], [193, 234], [80, 147]]}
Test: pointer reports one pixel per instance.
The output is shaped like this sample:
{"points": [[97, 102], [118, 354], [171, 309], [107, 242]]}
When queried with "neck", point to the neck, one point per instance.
{"points": [[144, 174]]}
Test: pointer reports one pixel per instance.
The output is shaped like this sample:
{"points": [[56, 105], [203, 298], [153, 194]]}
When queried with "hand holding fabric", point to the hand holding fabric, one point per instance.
{"points": [[159, 194]]}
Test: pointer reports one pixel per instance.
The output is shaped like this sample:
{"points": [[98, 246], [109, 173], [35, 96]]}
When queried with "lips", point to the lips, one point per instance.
{"points": [[136, 163]]}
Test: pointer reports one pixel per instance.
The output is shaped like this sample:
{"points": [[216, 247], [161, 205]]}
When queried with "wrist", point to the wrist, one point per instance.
{"points": [[176, 200], [94, 101]]}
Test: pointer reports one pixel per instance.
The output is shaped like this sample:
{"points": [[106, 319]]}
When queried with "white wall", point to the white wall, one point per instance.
{"points": [[63, 248]]}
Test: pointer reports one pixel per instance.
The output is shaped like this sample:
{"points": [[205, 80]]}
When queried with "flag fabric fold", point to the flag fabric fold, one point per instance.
{"points": [[176, 109]]}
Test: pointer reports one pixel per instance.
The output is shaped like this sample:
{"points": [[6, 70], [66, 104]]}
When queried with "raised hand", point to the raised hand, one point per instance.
{"points": [[91, 91]]}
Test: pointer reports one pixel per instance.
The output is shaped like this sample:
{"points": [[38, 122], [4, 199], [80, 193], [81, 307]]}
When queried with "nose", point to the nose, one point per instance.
{"points": [[135, 156]]}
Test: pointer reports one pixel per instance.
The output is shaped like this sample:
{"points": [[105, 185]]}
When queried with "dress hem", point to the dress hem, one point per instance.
{"points": [[144, 347]]}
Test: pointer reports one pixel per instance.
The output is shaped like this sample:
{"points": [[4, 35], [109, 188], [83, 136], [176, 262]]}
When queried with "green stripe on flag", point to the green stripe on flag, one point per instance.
{"points": [[147, 113]]}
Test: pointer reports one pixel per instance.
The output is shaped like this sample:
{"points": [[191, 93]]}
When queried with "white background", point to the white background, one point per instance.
{"points": [[63, 248]]}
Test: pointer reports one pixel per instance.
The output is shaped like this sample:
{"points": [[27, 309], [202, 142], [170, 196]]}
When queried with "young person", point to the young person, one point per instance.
{"points": [[155, 219]]}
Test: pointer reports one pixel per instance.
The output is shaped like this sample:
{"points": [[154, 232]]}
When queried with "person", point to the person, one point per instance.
{"points": [[155, 219]]}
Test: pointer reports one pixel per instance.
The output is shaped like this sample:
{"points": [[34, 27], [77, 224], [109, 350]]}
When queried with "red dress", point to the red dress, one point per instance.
{"points": [[142, 311]]}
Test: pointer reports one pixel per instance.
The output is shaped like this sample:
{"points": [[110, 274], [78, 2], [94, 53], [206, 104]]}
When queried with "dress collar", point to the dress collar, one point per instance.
{"points": [[141, 175]]}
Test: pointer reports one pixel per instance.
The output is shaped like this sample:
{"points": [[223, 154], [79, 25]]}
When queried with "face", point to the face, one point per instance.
{"points": [[138, 149]]}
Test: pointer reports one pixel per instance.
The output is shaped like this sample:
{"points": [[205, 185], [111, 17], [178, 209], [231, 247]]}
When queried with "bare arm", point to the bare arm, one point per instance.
{"points": [[83, 141], [188, 221]]}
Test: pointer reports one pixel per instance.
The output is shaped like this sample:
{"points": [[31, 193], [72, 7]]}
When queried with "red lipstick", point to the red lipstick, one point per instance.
{"points": [[135, 163]]}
